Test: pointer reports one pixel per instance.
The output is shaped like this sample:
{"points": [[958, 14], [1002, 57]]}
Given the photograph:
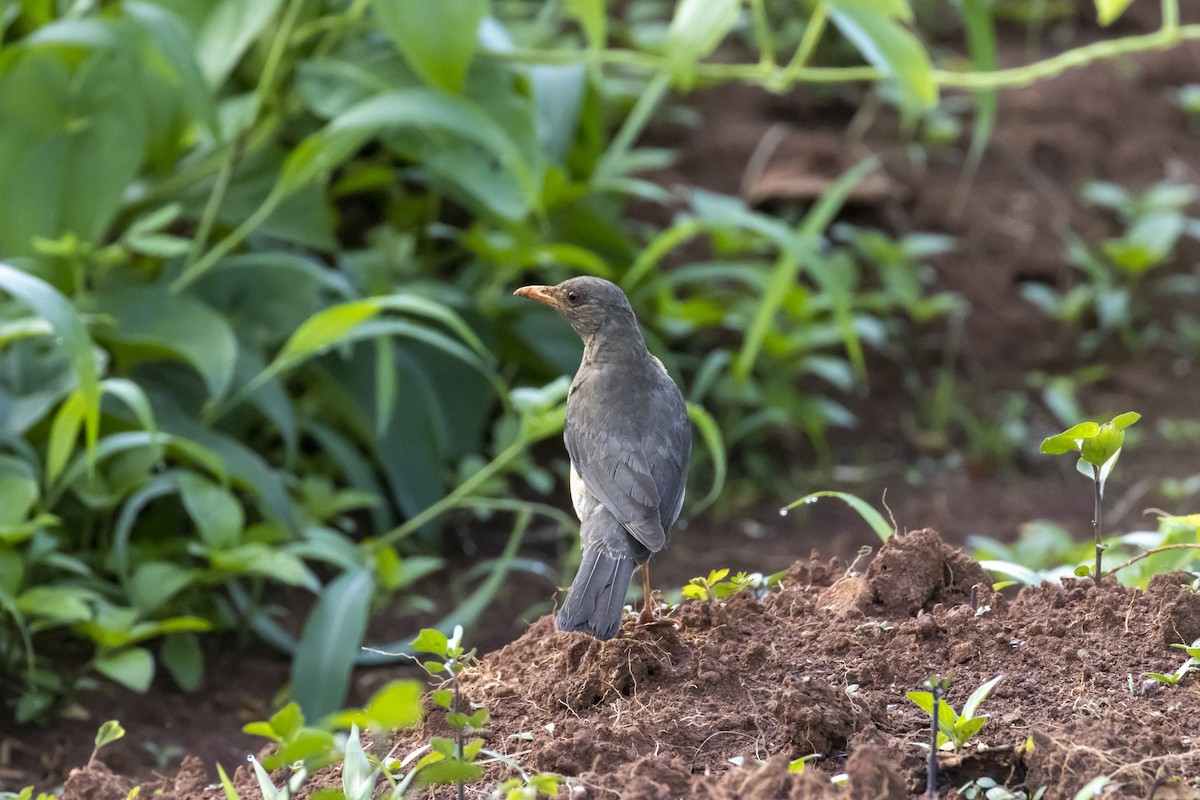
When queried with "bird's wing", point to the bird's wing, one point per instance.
{"points": [[615, 469]]}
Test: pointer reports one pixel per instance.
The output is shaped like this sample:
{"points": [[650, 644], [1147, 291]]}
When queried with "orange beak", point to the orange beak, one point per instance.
{"points": [[543, 294]]}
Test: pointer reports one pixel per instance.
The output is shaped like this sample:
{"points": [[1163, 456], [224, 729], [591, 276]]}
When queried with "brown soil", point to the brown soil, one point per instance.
{"points": [[768, 679], [821, 665]]}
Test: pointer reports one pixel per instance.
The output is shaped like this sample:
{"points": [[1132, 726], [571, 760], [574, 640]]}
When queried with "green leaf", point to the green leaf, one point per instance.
{"points": [[58, 605], [330, 641], [18, 494], [431, 641], [217, 513], [396, 705], [979, 695], [287, 721], [876, 30], [715, 444], [226, 30], [51, 306], [438, 38], [108, 733], [153, 583], [149, 322], [696, 29], [184, 660], [74, 137], [132, 667], [872, 517], [1123, 421], [1068, 440], [449, 770], [592, 18], [1108, 11]]}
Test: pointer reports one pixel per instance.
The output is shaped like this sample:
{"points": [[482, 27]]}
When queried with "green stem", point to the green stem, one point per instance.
{"points": [[808, 43], [780, 76], [270, 71], [642, 111], [215, 198], [1170, 14], [454, 498], [762, 34], [1098, 521]]}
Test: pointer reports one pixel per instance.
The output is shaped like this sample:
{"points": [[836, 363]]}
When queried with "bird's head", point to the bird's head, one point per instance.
{"points": [[591, 305]]}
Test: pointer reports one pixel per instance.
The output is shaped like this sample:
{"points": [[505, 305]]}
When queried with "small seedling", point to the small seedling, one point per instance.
{"points": [[953, 730], [1098, 445], [456, 761], [716, 586], [108, 733], [1185, 669]]}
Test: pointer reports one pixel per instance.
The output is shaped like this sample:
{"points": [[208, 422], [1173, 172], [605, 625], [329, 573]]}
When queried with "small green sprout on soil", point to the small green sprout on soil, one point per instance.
{"points": [[718, 585], [1185, 669], [953, 730], [1098, 445], [108, 733]]}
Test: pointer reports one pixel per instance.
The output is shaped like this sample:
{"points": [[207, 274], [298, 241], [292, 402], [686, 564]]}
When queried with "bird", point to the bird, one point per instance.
{"points": [[629, 441]]}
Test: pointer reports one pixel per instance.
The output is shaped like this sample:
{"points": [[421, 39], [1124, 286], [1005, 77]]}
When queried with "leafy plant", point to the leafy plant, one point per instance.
{"points": [[1186, 668], [1115, 290], [954, 729], [718, 585], [1099, 445]]}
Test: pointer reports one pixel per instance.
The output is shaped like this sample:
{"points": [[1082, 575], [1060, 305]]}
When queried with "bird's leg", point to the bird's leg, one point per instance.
{"points": [[647, 615]]}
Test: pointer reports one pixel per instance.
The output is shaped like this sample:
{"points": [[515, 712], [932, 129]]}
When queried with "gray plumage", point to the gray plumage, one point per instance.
{"points": [[629, 440]]}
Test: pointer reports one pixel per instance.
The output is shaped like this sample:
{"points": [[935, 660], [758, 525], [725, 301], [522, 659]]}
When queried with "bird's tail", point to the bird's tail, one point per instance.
{"points": [[597, 595]]}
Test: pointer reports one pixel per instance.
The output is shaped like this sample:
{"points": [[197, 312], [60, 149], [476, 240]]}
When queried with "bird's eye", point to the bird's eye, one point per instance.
{"points": [[573, 296]]}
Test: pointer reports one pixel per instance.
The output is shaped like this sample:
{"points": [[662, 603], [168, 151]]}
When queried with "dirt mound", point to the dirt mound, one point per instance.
{"points": [[821, 665]]}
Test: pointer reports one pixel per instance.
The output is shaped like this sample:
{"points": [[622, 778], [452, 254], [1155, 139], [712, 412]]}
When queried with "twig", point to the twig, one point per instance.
{"points": [[1152, 551]]}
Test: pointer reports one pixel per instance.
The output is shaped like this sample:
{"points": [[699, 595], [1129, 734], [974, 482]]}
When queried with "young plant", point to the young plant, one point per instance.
{"points": [[1185, 669], [456, 761], [1099, 446], [954, 730]]}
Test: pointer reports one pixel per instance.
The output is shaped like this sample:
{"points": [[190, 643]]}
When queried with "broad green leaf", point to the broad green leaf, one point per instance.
{"points": [[287, 721], [18, 493], [979, 695], [167, 40], [152, 322], [227, 29], [184, 659], [697, 27], [449, 770], [73, 139], [58, 605], [153, 583], [1123, 421], [438, 38], [1069, 440], [1108, 11], [330, 641], [132, 667], [432, 641], [966, 728], [71, 331], [876, 30], [108, 733], [256, 558], [396, 705], [216, 512], [872, 517]]}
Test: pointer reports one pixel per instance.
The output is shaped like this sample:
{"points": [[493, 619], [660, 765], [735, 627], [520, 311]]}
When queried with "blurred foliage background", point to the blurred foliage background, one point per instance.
{"points": [[257, 335]]}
